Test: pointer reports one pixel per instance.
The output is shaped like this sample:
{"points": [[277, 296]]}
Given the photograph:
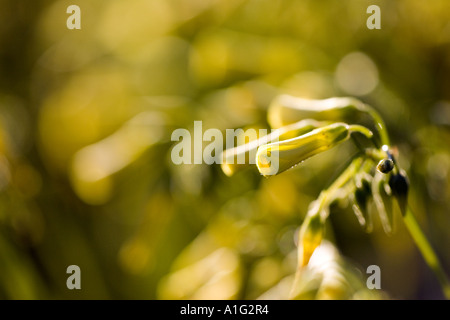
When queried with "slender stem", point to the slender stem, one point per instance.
{"points": [[361, 129], [375, 154], [381, 127], [340, 181], [427, 251]]}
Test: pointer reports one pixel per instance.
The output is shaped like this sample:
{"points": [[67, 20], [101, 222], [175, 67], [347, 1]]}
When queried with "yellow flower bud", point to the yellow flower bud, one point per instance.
{"points": [[310, 237], [277, 157], [230, 164], [287, 109]]}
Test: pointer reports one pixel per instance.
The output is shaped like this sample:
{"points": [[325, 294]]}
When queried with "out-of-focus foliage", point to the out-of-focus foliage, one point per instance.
{"points": [[86, 118]]}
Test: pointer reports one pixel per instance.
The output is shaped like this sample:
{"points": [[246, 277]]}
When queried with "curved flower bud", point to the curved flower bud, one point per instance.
{"points": [[230, 157], [287, 109], [277, 157]]}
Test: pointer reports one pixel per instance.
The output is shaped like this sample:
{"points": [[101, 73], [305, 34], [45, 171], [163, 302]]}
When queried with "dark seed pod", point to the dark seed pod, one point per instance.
{"points": [[385, 165], [399, 185]]}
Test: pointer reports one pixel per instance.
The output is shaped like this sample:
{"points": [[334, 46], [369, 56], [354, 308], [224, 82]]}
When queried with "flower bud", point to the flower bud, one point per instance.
{"points": [[310, 237], [230, 164], [399, 185], [287, 109], [277, 157]]}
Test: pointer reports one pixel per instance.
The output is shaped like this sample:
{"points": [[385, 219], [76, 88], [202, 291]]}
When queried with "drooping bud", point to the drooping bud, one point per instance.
{"points": [[288, 109], [230, 157], [399, 185], [277, 157]]}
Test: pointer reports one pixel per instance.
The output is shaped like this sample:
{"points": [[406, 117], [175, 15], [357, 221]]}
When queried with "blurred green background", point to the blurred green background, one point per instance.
{"points": [[86, 118]]}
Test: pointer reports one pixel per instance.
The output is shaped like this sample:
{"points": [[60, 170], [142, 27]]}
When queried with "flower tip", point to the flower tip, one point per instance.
{"points": [[265, 161], [226, 168]]}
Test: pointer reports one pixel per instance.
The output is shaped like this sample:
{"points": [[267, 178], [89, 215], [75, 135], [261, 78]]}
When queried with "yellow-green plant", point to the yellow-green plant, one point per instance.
{"points": [[373, 174]]}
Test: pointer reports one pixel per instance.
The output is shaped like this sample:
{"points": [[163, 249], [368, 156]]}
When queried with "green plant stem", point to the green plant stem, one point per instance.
{"points": [[361, 129], [379, 123], [339, 182], [426, 250]]}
